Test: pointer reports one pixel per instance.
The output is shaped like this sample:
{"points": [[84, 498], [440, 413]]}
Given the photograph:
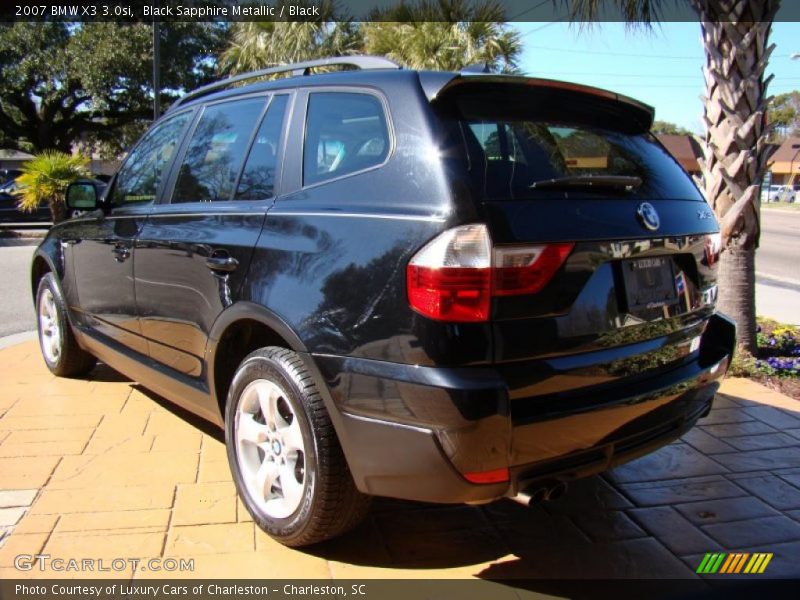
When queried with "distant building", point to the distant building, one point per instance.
{"points": [[684, 149], [14, 159], [785, 161]]}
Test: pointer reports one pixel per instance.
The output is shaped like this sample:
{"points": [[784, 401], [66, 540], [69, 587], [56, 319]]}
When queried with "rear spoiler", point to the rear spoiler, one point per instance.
{"points": [[436, 85]]}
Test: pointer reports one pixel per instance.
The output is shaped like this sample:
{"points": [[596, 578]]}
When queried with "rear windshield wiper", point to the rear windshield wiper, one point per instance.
{"points": [[588, 183]]}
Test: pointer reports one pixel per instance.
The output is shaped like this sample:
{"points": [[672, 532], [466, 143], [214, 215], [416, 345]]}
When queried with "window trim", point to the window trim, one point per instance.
{"points": [[287, 114], [166, 200], [346, 90], [109, 192]]}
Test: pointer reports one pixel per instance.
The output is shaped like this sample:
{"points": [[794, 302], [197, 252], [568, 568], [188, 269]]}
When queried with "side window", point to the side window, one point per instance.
{"points": [[258, 176], [216, 151], [139, 177], [345, 132]]}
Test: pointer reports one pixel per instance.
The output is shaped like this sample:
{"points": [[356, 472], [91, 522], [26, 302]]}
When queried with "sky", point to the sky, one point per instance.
{"points": [[662, 67]]}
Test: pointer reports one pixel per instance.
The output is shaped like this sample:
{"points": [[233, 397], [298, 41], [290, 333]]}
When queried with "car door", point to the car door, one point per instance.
{"points": [[103, 244], [194, 250]]}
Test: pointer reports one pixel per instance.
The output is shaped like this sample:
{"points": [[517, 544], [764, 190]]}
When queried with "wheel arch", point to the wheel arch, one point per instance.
{"points": [[240, 329], [41, 265]]}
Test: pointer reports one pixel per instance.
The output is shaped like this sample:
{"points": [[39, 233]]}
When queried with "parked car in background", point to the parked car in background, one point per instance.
{"points": [[7, 175], [11, 213], [779, 193], [443, 287]]}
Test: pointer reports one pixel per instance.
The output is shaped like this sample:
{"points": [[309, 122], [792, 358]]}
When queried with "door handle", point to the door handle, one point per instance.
{"points": [[121, 253], [222, 263]]}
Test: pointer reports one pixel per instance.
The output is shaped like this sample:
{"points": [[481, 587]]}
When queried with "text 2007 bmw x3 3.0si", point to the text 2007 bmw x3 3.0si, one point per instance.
{"points": [[446, 287]]}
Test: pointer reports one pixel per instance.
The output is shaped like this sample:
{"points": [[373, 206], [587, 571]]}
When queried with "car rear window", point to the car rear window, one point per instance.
{"points": [[508, 152]]}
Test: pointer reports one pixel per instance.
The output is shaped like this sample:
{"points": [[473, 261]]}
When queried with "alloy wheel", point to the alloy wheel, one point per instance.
{"points": [[270, 448], [50, 330]]}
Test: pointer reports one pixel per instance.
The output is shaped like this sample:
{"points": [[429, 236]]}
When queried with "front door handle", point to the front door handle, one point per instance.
{"points": [[222, 263]]}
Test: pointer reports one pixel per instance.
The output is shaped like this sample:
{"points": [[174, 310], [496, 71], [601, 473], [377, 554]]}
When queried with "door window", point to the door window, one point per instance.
{"points": [[345, 133], [140, 176], [216, 151], [258, 177]]}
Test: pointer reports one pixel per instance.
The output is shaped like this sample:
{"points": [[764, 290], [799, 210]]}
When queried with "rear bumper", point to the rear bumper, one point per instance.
{"points": [[412, 432]]}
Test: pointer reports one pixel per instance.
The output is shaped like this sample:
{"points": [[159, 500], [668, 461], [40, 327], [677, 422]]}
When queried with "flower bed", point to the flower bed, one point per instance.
{"points": [[777, 363]]}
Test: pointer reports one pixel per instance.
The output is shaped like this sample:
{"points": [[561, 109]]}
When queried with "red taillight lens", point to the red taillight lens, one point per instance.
{"points": [[454, 276], [526, 270], [449, 293]]}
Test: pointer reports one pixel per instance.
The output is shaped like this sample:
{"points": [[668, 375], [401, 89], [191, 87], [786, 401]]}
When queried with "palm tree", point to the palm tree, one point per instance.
{"points": [[444, 34], [426, 34], [736, 42], [45, 179], [262, 44]]}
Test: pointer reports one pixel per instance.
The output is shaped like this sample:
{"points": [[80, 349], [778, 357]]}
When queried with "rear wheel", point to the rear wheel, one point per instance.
{"points": [[60, 350], [285, 457]]}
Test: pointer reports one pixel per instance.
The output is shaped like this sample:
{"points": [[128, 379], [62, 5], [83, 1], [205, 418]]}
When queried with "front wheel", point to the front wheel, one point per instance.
{"points": [[60, 350], [286, 460]]}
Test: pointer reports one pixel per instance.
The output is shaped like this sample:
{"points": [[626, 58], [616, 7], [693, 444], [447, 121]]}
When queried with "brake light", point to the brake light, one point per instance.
{"points": [[526, 270], [455, 275]]}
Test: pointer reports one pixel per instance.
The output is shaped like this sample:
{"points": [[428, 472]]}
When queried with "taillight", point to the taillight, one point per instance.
{"points": [[454, 276], [449, 279], [526, 269]]}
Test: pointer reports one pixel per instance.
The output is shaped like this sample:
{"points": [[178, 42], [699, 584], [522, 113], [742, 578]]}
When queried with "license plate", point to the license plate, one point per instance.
{"points": [[649, 282]]}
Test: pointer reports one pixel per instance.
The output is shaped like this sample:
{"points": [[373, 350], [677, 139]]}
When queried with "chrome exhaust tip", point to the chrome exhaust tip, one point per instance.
{"points": [[538, 493]]}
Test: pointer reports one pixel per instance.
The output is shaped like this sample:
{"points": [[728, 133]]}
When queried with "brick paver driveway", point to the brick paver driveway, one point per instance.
{"points": [[102, 469]]}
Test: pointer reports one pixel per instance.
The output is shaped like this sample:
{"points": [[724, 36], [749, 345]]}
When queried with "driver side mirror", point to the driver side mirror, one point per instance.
{"points": [[82, 195]]}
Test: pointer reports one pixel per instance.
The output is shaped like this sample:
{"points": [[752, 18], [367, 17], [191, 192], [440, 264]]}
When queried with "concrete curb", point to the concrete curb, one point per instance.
{"points": [[17, 338]]}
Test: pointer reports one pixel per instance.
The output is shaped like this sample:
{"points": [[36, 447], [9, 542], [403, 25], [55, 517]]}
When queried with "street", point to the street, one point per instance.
{"points": [[778, 266], [16, 306], [779, 253], [777, 281]]}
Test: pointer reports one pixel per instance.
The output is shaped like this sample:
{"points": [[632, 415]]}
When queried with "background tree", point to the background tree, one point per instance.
{"points": [[45, 179], [262, 44], [667, 128], [783, 113], [65, 82], [427, 34], [735, 38], [444, 35]]}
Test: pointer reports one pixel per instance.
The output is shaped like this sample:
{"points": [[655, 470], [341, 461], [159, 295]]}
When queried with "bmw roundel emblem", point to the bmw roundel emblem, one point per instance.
{"points": [[648, 215]]}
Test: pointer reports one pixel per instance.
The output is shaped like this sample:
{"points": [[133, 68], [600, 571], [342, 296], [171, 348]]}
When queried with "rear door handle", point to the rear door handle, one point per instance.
{"points": [[225, 264]]}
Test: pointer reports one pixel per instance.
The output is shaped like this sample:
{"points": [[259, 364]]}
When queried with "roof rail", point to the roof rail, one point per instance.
{"points": [[297, 69]]}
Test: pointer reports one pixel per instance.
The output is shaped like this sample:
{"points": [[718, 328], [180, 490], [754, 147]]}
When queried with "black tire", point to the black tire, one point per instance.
{"points": [[331, 504], [71, 360]]}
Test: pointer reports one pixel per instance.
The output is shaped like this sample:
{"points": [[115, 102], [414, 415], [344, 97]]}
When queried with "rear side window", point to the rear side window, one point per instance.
{"points": [[345, 132], [140, 176], [216, 151], [509, 153], [258, 177]]}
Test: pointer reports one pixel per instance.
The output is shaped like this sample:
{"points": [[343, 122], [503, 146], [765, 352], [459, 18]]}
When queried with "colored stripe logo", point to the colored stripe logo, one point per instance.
{"points": [[735, 562]]}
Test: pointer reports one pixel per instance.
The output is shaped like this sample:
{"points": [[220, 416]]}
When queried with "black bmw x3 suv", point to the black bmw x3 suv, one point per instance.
{"points": [[445, 287]]}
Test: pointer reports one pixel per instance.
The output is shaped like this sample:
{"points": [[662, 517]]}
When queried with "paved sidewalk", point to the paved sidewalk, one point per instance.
{"points": [[101, 468]]}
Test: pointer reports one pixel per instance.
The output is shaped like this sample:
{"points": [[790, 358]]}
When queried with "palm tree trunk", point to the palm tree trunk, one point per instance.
{"points": [[58, 210], [735, 38]]}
